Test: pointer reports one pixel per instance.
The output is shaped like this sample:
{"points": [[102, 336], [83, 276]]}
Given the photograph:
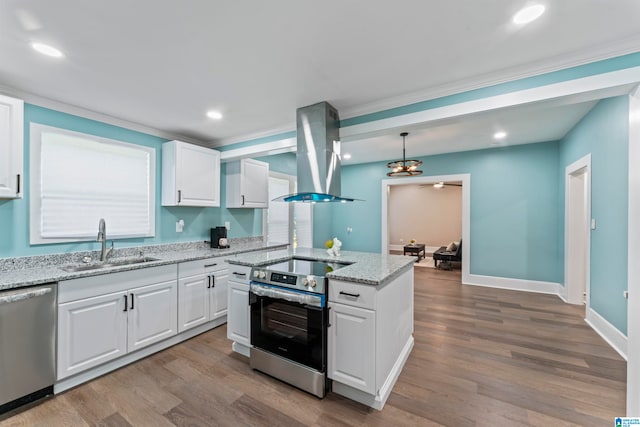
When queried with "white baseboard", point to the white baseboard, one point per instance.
{"points": [[616, 339], [427, 249], [514, 284]]}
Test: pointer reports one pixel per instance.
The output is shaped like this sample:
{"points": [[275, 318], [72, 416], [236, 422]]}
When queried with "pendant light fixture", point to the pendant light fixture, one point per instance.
{"points": [[404, 167]]}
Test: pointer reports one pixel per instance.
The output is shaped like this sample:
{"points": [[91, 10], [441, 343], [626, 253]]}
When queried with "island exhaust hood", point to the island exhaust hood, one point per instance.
{"points": [[318, 155]]}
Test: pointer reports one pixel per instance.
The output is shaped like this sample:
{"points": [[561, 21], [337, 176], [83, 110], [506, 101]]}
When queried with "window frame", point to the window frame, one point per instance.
{"points": [[35, 196]]}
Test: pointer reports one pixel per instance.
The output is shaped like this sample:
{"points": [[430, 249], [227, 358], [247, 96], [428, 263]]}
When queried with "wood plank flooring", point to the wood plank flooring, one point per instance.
{"points": [[482, 357]]}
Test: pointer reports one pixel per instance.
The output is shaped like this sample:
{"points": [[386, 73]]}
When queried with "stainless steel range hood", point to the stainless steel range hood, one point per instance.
{"points": [[318, 155]]}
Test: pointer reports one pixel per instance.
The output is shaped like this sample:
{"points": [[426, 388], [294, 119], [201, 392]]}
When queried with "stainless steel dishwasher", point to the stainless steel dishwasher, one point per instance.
{"points": [[27, 345]]}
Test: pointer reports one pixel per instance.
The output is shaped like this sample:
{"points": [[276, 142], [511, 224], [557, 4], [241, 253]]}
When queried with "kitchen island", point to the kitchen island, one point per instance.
{"points": [[370, 330]]}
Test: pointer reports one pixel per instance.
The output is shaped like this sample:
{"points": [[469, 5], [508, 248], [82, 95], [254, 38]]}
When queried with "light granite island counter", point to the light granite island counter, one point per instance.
{"points": [[370, 304]]}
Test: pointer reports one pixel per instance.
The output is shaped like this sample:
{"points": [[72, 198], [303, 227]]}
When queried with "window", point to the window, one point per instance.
{"points": [[76, 179], [287, 222]]}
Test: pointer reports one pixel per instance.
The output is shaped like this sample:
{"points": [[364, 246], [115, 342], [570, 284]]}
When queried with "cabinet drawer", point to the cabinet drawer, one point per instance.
{"points": [[239, 273], [352, 294], [200, 266]]}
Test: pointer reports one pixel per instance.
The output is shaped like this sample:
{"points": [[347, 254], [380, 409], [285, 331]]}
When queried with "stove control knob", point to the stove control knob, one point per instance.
{"points": [[313, 283], [263, 274], [305, 282], [256, 273]]}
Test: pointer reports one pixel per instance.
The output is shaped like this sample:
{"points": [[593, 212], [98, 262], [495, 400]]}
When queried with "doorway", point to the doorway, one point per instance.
{"points": [[577, 231], [465, 179]]}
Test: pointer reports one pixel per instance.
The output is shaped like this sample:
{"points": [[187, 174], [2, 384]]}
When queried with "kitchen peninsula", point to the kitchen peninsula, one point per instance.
{"points": [[370, 315]]}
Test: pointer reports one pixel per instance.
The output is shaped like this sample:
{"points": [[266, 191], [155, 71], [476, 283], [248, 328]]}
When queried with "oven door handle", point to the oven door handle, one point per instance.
{"points": [[300, 298]]}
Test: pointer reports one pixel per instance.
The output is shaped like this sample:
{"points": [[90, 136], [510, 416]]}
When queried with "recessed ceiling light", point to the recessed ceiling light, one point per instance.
{"points": [[438, 184], [46, 49], [346, 156], [528, 14], [214, 115], [500, 135]]}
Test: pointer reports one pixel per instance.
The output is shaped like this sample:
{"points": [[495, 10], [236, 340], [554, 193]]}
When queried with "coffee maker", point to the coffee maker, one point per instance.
{"points": [[219, 237]]}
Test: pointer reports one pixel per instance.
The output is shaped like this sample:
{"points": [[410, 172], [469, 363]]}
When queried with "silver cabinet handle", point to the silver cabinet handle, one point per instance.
{"points": [[18, 185], [179, 196], [211, 265]]}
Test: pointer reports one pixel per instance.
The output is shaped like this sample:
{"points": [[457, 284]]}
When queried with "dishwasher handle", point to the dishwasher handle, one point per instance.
{"points": [[15, 296]]}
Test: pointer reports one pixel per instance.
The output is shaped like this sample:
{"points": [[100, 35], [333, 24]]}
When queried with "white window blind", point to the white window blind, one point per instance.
{"points": [[278, 212], [287, 222], [303, 225], [78, 179]]}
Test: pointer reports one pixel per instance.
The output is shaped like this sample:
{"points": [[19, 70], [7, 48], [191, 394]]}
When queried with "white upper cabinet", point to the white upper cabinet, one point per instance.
{"points": [[11, 147], [190, 175], [247, 184]]}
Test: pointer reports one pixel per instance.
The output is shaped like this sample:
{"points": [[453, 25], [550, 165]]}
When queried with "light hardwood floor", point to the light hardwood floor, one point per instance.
{"points": [[482, 357]]}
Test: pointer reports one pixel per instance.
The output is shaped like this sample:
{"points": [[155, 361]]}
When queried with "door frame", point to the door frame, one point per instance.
{"points": [[575, 168], [466, 211], [633, 252]]}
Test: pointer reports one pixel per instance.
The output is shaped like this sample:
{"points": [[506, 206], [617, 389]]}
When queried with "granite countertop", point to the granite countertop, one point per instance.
{"points": [[29, 271], [366, 268]]}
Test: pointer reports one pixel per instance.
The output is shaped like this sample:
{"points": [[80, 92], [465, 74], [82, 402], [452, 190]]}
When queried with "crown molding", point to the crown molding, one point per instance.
{"points": [[531, 69], [94, 115], [506, 75], [251, 136]]}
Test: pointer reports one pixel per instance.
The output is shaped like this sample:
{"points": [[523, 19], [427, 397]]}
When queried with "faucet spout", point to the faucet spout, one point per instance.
{"points": [[102, 237]]}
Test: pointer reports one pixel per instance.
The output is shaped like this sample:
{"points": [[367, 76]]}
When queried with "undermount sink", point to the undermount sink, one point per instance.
{"points": [[109, 264]]}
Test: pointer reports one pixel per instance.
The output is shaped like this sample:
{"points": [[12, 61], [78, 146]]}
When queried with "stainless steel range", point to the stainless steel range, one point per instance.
{"points": [[289, 319]]}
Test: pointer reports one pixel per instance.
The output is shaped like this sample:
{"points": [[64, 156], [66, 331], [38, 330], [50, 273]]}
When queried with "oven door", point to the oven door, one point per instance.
{"points": [[290, 324]]}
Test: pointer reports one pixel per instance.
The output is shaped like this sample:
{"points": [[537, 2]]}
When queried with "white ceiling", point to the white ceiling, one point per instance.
{"points": [[162, 64]]}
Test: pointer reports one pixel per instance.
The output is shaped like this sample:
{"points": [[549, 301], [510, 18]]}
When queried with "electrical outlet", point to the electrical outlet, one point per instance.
{"points": [[179, 226], [349, 229], [227, 225]]}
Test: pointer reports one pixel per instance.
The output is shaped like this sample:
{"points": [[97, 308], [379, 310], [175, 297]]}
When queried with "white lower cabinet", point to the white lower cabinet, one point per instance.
{"points": [[96, 325], [202, 292], [238, 318], [152, 314], [353, 343], [369, 338], [91, 331], [238, 321]]}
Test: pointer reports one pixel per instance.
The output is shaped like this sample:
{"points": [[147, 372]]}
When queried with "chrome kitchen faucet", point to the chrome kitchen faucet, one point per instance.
{"points": [[102, 237]]}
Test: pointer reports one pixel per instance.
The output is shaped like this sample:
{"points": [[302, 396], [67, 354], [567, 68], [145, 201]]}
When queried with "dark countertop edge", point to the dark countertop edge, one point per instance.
{"points": [[63, 275]]}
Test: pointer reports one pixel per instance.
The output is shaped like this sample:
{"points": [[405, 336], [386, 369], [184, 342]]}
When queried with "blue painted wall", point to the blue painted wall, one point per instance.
{"points": [[604, 133], [283, 163], [514, 197], [14, 214]]}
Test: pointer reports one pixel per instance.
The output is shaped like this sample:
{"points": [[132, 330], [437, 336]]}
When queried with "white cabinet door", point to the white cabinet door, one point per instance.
{"points": [[193, 301], [190, 175], [11, 147], [91, 331], [238, 323], [255, 185], [351, 343], [153, 314], [218, 295], [247, 184]]}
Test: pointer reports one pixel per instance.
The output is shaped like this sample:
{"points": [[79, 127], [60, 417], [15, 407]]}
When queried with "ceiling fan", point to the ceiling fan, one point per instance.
{"points": [[441, 184]]}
